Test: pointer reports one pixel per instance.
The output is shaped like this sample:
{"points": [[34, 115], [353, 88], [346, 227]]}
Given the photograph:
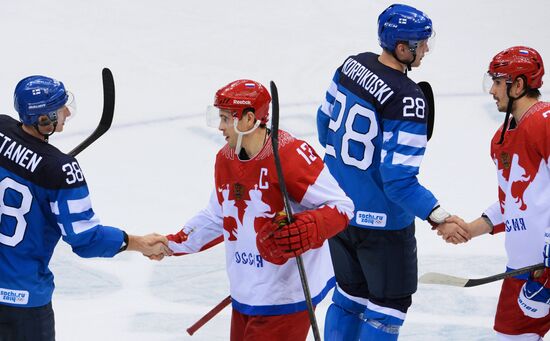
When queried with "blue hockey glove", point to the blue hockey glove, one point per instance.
{"points": [[534, 299]]}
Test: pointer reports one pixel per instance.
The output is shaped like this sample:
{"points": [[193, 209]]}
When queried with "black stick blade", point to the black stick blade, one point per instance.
{"points": [[428, 93], [107, 115]]}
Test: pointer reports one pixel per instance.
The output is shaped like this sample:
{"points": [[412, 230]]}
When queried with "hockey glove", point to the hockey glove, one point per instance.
{"points": [[266, 244], [306, 232], [534, 299]]}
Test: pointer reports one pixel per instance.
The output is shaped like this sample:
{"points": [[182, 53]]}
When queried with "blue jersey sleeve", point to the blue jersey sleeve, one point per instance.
{"points": [[80, 227], [403, 147], [324, 113]]}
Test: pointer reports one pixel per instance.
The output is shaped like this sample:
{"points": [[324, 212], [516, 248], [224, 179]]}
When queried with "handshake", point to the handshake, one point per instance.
{"points": [[154, 246], [452, 229]]}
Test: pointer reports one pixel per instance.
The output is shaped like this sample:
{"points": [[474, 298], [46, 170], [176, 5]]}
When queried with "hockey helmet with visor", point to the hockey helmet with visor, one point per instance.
{"points": [[402, 23], [514, 62], [36, 96]]}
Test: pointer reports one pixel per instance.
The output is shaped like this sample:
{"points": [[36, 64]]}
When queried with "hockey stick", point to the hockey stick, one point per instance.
{"points": [[288, 209], [439, 278], [209, 315], [106, 116], [428, 93]]}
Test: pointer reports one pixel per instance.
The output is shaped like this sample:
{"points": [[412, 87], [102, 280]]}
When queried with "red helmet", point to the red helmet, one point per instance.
{"points": [[244, 94], [518, 61]]}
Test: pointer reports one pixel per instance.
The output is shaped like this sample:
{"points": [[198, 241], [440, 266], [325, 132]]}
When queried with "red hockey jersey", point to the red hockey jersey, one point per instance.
{"points": [[523, 210], [248, 194]]}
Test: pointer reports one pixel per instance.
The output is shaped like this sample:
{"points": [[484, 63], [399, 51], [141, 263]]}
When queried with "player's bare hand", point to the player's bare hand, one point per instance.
{"points": [[152, 245], [454, 230], [158, 257]]}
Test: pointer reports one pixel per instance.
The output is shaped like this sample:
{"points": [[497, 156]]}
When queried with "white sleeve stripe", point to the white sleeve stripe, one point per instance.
{"points": [[329, 150], [79, 205], [387, 135], [84, 225], [411, 140], [54, 207], [332, 89], [326, 108], [383, 154], [62, 229], [406, 160]]}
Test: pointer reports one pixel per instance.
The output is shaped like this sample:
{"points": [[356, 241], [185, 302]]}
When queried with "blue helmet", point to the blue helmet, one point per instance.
{"points": [[402, 23], [35, 96]]}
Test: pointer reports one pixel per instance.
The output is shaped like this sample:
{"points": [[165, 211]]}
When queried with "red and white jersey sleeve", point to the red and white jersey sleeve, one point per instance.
{"points": [[316, 188], [494, 214], [247, 195], [524, 184], [201, 232]]}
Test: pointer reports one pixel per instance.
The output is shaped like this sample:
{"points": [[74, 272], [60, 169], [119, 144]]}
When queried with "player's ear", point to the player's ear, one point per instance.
{"points": [[44, 120], [401, 48], [250, 117]]}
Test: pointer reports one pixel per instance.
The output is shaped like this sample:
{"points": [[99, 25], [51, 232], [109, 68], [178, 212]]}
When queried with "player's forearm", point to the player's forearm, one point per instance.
{"points": [[479, 226]]}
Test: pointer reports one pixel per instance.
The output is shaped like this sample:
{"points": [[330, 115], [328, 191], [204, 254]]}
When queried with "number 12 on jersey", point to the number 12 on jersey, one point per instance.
{"points": [[357, 127]]}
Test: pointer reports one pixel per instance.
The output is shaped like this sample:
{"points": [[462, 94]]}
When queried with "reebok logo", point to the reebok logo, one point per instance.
{"points": [[241, 101]]}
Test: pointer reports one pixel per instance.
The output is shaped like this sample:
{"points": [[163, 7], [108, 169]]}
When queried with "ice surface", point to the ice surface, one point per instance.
{"points": [[154, 168]]}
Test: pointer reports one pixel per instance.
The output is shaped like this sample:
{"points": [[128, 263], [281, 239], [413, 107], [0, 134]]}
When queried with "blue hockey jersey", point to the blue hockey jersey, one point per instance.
{"points": [[373, 124], [43, 197]]}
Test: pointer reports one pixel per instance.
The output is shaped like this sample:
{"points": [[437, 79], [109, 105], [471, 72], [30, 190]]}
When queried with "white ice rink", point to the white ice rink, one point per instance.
{"points": [[154, 169]]}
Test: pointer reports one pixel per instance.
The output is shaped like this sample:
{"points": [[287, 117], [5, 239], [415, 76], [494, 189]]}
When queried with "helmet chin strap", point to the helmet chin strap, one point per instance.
{"points": [[408, 64], [508, 110], [44, 124], [241, 134]]}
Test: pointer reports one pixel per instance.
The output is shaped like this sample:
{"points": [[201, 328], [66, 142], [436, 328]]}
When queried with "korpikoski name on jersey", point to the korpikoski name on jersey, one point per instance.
{"points": [[367, 79], [373, 124], [43, 196]]}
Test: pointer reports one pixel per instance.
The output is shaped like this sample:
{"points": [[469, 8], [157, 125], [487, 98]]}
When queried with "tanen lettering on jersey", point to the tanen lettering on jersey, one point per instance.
{"points": [[367, 80], [15, 152]]}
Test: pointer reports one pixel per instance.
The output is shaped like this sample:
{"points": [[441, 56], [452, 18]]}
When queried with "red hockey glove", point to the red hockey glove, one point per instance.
{"points": [[306, 232], [278, 240], [266, 244]]}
